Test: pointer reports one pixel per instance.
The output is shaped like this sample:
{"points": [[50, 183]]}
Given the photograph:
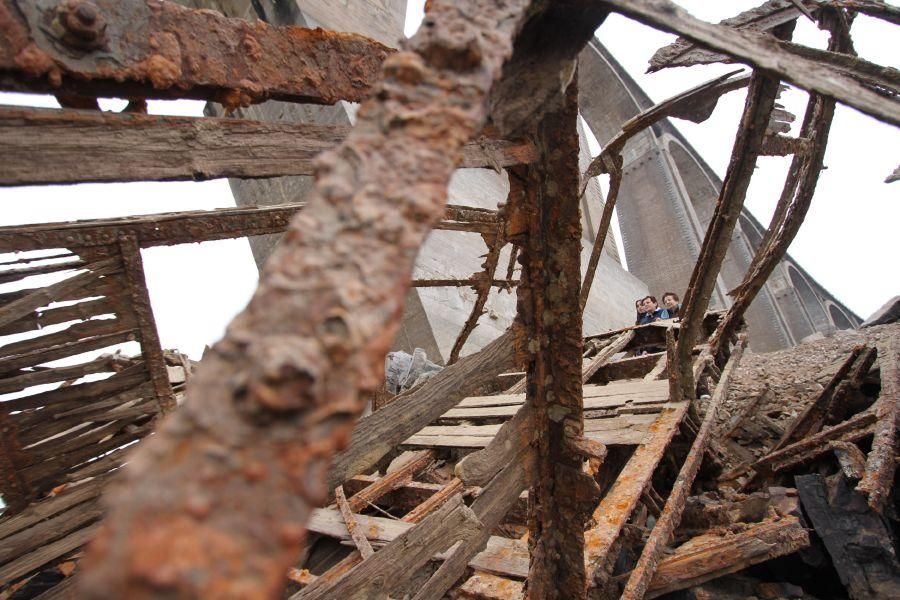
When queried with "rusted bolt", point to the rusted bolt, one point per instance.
{"points": [[80, 24]]}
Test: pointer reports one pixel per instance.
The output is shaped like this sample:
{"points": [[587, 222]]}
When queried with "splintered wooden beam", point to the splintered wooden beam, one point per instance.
{"points": [[166, 229], [713, 555], [880, 466], [757, 109], [619, 502], [398, 561], [47, 146], [851, 430], [418, 462], [763, 18], [762, 52], [642, 575], [153, 49], [308, 350], [362, 544]]}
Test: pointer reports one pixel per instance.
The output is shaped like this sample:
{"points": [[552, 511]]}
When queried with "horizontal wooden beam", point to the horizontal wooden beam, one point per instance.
{"points": [[153, 49], [166, 229], [49, 146]]}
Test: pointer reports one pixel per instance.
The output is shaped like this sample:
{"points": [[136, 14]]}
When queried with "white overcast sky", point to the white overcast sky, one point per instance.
{"points": [[845, 243]]}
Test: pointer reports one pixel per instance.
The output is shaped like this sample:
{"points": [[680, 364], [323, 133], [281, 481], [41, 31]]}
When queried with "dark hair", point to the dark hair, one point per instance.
{"points": [[673, 294], [652, 298]]}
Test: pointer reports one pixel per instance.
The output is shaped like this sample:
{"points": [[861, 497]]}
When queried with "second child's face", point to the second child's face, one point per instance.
{"points": [[649, 305], [670, 302]]}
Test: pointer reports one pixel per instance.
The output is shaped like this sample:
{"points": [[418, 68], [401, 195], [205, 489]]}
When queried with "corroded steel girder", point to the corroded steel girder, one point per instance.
{"points": [[156, 49], [167, 229], [215, 503]]}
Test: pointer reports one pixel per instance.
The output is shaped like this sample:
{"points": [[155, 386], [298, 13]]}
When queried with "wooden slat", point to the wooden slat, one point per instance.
{"points": [[44, 146], [617, 505], [43, 296]]}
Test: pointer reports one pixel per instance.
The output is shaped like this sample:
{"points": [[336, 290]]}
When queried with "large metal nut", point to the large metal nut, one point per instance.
{"points": [[80, 24]]}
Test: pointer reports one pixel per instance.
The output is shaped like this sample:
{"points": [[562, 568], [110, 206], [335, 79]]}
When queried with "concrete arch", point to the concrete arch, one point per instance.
{"points": [[839, 318], [809, 300], [751, 234]]}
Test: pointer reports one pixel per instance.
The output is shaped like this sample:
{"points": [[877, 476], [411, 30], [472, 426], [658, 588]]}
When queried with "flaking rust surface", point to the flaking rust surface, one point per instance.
{"points": [[214, 504], [159, 49]]}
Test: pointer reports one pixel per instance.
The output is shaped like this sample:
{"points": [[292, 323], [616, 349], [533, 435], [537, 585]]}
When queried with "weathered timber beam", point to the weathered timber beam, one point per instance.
{"points": [[418, 462], [490, 508], [151, 348], [684, 53], [873, 8], [606, 354], [642, 575], [166, 229], [880, 465], [619, 502], [854, 428], [757, 109], [713, 555], [280, 394], [763, 52], [154, 49], [47, 146], [397, 562], [859, 541], [380, 432], [43, 296]]}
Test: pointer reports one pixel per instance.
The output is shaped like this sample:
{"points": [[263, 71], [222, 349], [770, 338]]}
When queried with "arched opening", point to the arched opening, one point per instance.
{"points": [[839, 317], [809, 300]]}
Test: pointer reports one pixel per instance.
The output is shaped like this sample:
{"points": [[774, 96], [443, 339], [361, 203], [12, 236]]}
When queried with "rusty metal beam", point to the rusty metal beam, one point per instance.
{"points": [[156, 49], [44, 146], [166, 229], [236, 470], [549, 308], [151, 349]]}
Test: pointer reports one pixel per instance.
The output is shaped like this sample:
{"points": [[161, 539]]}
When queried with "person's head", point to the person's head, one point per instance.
{"points": [[649, 304], [639, 306], [671, 299]]}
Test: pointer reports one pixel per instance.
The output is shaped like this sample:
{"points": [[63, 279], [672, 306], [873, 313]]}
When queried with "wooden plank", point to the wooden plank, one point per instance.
{"points": [[43, 296], [379, 433], [120, 334], [40, 557], [762, 52], [858, 540], [617, 505], [43, 146], [397, 562], [82, 311], [642, 575], [48, 507], [713, 555], [81, 392], [164, 229]]}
